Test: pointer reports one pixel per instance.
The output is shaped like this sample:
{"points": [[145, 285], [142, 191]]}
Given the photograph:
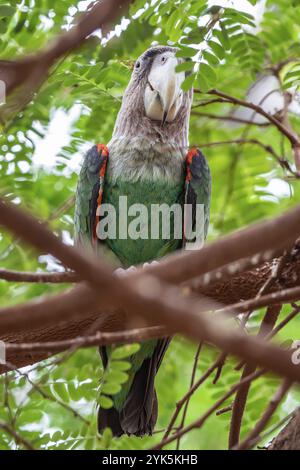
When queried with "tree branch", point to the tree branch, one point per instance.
{"points": [[226, 118], [240, 400], [289, 437], [23, 77], [98, 339], [39, 277], [294, 140], [285, 130], [266, 327], [254, 435], [190, 392], [155, 301], [15, 73], [18, 439], [283, 162], [200, 421]]}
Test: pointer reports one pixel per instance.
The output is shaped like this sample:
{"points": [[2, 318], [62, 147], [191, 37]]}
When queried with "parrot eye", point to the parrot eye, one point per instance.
{"points": [[137, 65], [163, 59]]}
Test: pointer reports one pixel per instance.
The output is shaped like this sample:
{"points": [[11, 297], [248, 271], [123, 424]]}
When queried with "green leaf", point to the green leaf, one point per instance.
{"points": [[125, 351], [3, 26], [210, 58], [186, 52], [196, 36], [120, 365], [203, 84], [173, 25], [107, 436], [185, 66], [105, 402], [217, 49], [6, 10], [111, 388], [116, 376], [224, 38], [188, 82], [208, 73], [61, 390], [30, 416]]}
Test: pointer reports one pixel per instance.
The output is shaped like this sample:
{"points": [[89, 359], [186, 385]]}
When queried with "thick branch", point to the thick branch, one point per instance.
{"points": [[157, 302], [15, 73], [15, 327], [39, 277], [103, 339], [240, 400], [289, 437]]}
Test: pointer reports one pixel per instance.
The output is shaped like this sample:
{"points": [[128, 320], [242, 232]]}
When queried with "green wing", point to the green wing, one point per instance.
{"points": [[198, 186], [88, 195], [135, 406]]}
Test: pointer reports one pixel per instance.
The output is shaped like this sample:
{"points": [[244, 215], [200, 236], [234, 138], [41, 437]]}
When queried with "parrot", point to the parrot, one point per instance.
{"points": [[148, 161]]}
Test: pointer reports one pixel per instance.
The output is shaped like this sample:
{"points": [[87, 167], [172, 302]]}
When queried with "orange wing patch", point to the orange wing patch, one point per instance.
{"points": [[189, 158], [103, 153]]}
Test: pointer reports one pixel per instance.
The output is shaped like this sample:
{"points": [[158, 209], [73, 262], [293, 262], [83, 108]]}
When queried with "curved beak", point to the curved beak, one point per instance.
{"points": [[164, 80]]}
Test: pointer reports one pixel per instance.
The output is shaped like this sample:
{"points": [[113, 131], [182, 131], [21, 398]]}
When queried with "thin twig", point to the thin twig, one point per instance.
{"points": [[191, 391], [266, 326], [290, 134], [193, 376], [254, 436], [19, 439], [45, 395], [200, 421], [240, 400], [294, 140], [228, 117], [98, 339], [283, 162]]}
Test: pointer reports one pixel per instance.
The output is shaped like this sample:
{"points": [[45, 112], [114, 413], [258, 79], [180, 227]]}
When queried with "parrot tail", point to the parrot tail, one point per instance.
{"points": [[139, 413]]}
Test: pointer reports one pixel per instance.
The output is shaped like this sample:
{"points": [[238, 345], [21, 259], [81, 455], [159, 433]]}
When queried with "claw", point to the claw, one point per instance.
{"points": [[153, 263], [121, 272]]}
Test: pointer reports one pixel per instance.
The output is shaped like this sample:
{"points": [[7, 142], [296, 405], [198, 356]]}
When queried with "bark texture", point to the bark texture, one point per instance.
{"points": [[240, 287], [289, 437]]}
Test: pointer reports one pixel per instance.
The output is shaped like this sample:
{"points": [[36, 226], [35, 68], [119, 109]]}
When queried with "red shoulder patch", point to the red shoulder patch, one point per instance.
{"points": [[103, 150], [193, 152], [103, 153]]}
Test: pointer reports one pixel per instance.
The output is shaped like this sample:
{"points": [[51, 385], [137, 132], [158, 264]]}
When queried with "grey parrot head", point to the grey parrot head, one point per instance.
{"points": [[154, 104]]}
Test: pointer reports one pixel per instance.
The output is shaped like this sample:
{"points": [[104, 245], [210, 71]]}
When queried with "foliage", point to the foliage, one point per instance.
{"points": [[226, 49]]}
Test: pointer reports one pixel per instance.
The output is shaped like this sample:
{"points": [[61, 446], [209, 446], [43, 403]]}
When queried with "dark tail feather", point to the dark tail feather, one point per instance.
{"points": [[109, 419], [139, 413]]}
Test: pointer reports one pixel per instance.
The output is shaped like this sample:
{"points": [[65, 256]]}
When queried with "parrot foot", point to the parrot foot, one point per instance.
{"points": [[152, 263], [121, 272]]}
